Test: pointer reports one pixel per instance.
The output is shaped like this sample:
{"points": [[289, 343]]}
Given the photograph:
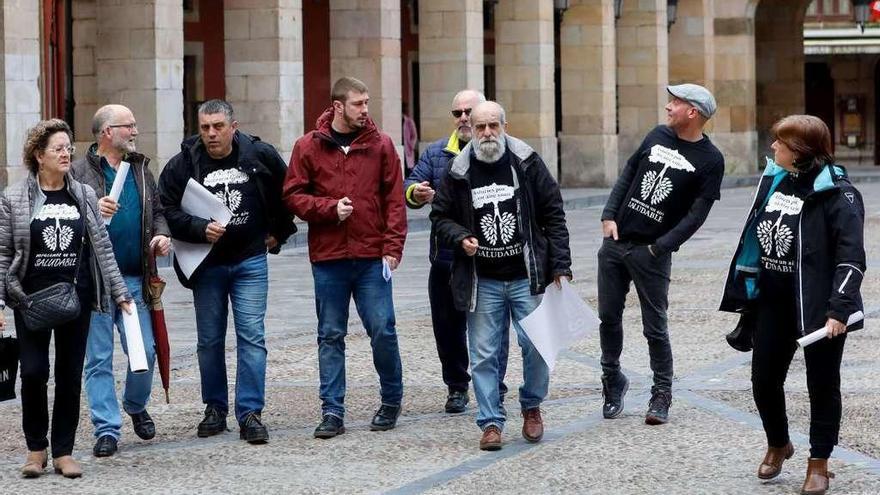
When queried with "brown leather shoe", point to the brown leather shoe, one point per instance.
{"points": [[491, 439], [67, 466], [771, 466], [533, 425], [816, 482], [34, 463]]}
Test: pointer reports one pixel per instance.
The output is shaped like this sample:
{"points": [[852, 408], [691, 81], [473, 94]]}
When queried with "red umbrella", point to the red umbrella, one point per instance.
{"points": [[160, 330]]}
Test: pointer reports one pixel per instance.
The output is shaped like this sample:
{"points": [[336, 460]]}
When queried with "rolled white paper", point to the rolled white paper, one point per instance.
{"points": [[118, 182], [821, 333], [137, 357]]}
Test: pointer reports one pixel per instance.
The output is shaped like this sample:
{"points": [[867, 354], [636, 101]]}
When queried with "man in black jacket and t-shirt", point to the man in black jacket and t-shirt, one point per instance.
{"points": [[662, 197], [502, 212]]}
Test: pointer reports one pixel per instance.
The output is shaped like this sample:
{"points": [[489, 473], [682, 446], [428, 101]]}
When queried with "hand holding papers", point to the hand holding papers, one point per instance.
{"points": [[198, 202], [560, 320], [823, 332], [118, 182]]}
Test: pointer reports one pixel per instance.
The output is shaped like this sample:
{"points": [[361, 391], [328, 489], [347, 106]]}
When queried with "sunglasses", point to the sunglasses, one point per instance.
{"points": [[457, 113]]}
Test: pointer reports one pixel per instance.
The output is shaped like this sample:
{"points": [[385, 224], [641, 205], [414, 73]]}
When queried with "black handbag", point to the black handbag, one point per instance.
{"points": [[742, 337], [57, 304], [8, 367]]}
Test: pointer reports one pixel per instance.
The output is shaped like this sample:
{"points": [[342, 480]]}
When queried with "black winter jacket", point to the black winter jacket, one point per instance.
{"points": [[541, 220], [830, 252], [255, 158]]}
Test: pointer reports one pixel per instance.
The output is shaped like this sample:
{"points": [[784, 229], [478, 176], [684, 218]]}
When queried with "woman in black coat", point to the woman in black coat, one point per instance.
{"points": [[799, 267]]}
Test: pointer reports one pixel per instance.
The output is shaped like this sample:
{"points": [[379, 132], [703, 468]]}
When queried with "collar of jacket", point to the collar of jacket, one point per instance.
{"points": [[462, 163], [827, 179], [322, 130], [453, 146], [133, 158]]}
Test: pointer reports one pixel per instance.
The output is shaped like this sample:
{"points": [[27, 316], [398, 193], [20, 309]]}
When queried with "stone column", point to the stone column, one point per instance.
{"points": [[450, 59], [588, 140], [19, 83], [140, 55], [733, 126], [85, 70], [264, 68], [524, 64], [365, 44], [642, 72], [691, 44]]}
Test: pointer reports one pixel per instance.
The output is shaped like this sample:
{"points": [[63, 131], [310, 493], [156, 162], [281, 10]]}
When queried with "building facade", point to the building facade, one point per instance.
{"points": [[582, 80]]}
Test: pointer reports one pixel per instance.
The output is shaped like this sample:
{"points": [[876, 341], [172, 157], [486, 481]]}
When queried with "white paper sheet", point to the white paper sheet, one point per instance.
{"points": [[137, 357], [386, 270], [118, 182], [560, 320], [198, 202], [821, 333]]}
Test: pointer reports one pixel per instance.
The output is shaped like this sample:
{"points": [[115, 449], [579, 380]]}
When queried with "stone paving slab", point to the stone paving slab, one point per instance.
{"points": [[712, 444]]}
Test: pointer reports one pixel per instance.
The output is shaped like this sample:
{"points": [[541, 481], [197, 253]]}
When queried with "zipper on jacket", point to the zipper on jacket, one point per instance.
{"points": [[800, 279]]}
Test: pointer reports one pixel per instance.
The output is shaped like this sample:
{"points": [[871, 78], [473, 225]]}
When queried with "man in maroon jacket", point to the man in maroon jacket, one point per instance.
{"points": [[345, 180]]}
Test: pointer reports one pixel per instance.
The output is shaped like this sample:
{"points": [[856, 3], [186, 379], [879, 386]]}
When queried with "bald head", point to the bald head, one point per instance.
{"points": [[489, 110], [115, 130]]}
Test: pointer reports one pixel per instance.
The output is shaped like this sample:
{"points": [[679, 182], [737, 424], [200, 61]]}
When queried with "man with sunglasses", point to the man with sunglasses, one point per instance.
{"points": [[450, 324], [136, 226]]}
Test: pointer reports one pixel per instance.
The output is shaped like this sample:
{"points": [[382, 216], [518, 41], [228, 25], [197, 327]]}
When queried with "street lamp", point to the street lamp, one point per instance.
{"points": [[560, 6], [862, 10], [671, 13], [618, 6]]}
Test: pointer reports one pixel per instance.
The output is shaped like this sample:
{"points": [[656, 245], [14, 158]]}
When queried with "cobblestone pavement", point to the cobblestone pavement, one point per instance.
{"points": [[713, 443]]}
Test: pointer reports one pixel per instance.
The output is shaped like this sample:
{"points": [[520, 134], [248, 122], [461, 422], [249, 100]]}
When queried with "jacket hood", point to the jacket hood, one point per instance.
{"points": [[462, 163], [322, 126], [827, 179]]}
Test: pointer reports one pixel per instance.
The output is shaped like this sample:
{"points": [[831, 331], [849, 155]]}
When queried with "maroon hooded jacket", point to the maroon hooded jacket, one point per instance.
{"points": [[320, 174]]}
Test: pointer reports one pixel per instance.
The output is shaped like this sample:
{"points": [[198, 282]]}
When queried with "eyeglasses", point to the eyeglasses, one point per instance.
{"points": [[457, 113], [130, 127], [70, 149]]}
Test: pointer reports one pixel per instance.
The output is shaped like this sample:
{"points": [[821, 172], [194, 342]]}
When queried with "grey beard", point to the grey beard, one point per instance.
{"points": [[491, 151]]}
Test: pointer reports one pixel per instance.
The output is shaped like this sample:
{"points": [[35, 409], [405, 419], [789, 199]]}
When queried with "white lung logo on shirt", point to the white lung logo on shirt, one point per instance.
{"points": [[770, 233], [495, 224], [230, 197], [655, 185], [57, 237]]}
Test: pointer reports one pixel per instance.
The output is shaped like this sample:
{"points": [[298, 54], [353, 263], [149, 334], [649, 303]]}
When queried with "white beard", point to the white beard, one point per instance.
{"points": [[491, 151]]}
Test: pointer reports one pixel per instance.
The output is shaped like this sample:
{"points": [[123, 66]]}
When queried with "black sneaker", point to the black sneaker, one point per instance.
{"points": [[385, 418], [457, 401], [214, 422], [253, 430], [658, 408], [144, 427], [105, 446], [613, 392], [330, 427]]}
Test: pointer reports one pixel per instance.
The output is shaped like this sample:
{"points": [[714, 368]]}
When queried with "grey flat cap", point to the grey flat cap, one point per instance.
{"points": [[697, 96]]}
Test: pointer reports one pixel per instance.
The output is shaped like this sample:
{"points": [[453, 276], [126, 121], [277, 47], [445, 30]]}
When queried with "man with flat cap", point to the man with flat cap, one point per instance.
{"points": [[663, 195]]}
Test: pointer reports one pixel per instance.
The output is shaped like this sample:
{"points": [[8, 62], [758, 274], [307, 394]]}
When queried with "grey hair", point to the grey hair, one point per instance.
{"points": [[502, 115], [480, 96], [211, 107], [102, 116]]}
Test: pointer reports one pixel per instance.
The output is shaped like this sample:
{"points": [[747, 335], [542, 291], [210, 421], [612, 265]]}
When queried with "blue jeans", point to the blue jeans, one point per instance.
{"points": [[336, 282], [497, 303], [100, 386], [246, 286]]}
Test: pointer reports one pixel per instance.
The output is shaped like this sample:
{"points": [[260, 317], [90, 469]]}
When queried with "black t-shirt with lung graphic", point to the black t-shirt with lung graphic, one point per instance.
{"points": [[776, 227], [500, 252], [57, 232], [671, 174], [246, 233]]}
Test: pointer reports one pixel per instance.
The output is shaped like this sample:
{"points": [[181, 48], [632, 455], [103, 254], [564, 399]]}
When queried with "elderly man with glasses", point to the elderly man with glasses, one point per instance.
{"points": [[137, 228]]}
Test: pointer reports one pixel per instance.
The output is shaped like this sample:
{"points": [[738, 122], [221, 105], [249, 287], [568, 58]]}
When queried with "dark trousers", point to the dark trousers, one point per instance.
{"points": [[775, 346], [450, 331], [70, 350], [620, 263]]}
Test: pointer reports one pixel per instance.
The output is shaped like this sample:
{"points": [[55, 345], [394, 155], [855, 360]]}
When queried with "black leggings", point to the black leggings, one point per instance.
{"points": [[70, 350], [774, 348]]}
